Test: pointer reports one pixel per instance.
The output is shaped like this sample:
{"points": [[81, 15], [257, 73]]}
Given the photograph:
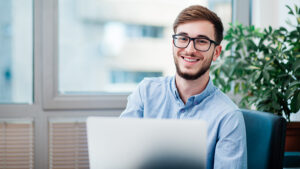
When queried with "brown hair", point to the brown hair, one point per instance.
{"points": [[197, 12]]}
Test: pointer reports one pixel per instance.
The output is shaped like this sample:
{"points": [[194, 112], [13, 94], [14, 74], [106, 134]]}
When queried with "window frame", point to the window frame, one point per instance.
{"points": [[51, 98]]}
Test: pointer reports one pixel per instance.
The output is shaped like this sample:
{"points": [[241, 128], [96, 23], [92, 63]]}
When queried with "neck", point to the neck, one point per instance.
{"points": [[188, 88]]}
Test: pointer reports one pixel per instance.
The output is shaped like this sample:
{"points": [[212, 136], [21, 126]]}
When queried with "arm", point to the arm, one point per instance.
{"points": [[231, 147], [134, 106]]}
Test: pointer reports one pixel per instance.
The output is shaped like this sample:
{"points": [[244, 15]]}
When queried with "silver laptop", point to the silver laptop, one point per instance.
{"points": [[115, 143]]}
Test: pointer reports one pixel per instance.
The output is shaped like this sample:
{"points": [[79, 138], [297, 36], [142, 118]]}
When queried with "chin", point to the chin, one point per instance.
{"points": [[189, 76]]}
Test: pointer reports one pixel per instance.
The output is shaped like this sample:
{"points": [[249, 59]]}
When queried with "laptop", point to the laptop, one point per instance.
{"points": [[132, 143]]}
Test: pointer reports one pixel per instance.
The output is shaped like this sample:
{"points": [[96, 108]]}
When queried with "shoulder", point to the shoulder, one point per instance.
{"points": [[224, 102], [231, 113], [225, 110], [154, 84], [150, 88]]}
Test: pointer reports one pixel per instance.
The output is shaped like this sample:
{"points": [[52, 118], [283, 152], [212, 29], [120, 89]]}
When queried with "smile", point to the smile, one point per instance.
{"points": [[189, 59]]}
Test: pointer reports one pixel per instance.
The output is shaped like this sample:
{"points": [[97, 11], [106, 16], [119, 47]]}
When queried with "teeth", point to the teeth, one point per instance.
{"points": [[190, 60]]}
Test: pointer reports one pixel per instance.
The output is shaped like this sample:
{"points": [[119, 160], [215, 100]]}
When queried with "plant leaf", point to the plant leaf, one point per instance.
{"points": [[296, 65], [290, 10], [294, 83], [266, 75], [229, 45], [236, 88], [257, 76], [289, 93], [276, 105]]}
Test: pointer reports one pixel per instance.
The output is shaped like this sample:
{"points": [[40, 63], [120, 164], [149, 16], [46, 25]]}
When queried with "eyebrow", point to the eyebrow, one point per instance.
{"points": [[199, 36]]}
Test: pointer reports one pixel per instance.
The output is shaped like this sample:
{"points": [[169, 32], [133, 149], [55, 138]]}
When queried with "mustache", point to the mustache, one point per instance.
{"points": [[185, 54]]}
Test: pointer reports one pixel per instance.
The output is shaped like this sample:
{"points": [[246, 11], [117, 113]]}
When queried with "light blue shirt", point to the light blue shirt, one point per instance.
{"points": [[226, 135]]}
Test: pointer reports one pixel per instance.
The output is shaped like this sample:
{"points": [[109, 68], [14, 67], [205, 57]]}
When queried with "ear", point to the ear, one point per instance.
{"points": [[217, 52]]}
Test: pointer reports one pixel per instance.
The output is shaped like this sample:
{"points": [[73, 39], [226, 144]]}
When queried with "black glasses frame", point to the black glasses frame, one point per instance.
{"points": [[193, 39]]}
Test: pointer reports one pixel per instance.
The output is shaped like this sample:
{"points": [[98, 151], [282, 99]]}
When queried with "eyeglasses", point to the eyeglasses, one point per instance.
{"points": [[200, 43]]}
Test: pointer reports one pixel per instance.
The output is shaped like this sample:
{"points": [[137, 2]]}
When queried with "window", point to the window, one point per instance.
{"points": [[144, 31], [120, 76], [16, 51]]}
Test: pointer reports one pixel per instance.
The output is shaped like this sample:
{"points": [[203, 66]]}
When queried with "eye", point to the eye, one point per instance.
{"points": [[202, 41], [182, 38]]}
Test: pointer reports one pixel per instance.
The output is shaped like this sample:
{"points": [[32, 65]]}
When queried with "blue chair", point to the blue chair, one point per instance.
{"points": [[291, 160], [265, 139]]}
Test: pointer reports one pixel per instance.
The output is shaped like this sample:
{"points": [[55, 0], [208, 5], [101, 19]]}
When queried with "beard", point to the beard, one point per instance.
{"points": [[189, 76]]}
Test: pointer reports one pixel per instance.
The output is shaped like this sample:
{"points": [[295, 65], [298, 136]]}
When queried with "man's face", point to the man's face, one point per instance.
{"points": [[191, 63]]}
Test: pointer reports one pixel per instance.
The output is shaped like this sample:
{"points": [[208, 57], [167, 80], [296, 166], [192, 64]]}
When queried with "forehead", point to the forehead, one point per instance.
{"points": [[196, 28]]}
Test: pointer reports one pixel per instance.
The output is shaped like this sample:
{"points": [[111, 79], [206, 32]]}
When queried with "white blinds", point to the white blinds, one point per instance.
{"points": [[16, 144], [68, 145]]}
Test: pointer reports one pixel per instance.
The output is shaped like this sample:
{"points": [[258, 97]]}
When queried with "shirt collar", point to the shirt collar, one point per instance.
{"points": [[210, 88], [174, 88]]}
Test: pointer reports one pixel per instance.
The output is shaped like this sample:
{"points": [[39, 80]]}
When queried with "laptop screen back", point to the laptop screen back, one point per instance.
{"points": [[115, 143]]}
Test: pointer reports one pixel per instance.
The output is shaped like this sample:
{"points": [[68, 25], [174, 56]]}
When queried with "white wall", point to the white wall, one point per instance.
{"points": [[273, 13]]}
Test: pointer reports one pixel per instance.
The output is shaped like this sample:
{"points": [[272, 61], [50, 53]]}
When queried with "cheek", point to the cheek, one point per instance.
{"points": [[210, 55]]}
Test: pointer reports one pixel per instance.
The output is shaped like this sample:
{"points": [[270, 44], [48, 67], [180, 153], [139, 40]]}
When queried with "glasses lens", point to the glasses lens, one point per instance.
{"points": [[202, 44], [181, 41]]}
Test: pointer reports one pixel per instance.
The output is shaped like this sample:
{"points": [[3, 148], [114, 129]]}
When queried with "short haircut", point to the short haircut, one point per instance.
{"points": [[198, 12]]}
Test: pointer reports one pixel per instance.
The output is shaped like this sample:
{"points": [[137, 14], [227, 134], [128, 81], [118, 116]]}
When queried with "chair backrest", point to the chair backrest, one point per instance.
{"points": [[265, 139]]}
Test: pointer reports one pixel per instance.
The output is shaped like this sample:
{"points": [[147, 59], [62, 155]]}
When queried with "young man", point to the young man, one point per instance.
{"points": [[198, 33]]}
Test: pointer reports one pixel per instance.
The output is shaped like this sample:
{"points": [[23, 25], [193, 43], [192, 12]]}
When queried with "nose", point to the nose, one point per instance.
{"points": [[190, 48]]}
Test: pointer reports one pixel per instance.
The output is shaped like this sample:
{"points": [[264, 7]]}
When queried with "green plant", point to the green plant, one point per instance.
{"points": [[263, 67]]}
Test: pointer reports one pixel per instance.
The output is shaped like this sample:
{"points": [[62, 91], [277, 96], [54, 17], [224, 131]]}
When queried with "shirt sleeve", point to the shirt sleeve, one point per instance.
{"points": [[231, 147], [135, 107]]}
